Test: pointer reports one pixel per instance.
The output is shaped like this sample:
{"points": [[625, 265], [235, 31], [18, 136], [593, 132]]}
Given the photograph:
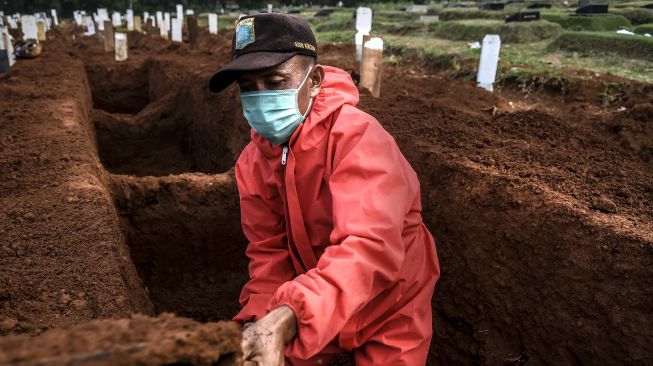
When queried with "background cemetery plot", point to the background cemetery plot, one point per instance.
{"points": [[119, 195]]}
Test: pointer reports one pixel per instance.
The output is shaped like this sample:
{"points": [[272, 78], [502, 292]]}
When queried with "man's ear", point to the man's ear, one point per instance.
{"points": [[316, 78]]}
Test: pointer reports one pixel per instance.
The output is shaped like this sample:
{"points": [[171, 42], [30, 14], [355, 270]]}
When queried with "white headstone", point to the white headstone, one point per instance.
{"points": [[166, 20], [102, 15], [78, 17], [358, 40], [115, 19], [159, 18], [340, 4], [190, 12], [163, 30], [364, 20], [146, 16], [213, 23], [130, 19], [269, 7], [28, 27], [5, 44], [12, 23], [55, 19], [176, 30], [90, 26], [180, 12], [121, 46], [487, 68]]}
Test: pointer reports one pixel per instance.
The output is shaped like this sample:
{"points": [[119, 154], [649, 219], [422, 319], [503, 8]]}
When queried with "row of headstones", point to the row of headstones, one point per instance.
{"points": [[369, 51], [32, 27], [169, 28]]}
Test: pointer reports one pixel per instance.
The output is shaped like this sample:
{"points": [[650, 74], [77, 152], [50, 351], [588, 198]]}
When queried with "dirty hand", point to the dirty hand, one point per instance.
{"points": [[264, 341]]}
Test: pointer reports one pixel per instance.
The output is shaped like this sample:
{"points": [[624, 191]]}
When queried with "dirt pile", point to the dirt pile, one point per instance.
{"points": [[140, 340], [120, 199]]}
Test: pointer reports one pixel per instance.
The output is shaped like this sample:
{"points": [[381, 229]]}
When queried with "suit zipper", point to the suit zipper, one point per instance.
{"points": [[284, 155]]}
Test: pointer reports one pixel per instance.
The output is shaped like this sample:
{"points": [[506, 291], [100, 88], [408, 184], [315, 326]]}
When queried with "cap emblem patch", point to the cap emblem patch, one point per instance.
{"points": [[244, 33]]}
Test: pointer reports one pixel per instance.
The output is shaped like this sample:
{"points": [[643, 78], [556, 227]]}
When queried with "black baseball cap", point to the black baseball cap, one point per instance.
{"points": [[262, 41]]}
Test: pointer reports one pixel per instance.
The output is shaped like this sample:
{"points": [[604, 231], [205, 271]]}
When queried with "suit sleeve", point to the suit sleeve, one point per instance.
{"points": [[372, 189], [270, 264]]}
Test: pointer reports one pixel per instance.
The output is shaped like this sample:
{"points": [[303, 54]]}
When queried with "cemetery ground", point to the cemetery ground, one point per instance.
{"points": [[119, 198]]}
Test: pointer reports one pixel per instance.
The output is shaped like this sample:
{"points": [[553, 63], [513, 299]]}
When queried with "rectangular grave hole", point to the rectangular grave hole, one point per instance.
{"points": [[185, 129], [186, 241], [119, 88]]}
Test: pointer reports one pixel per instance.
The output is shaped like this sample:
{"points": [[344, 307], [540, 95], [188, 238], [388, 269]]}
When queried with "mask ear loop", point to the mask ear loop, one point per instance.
{"points": [[310, 102]]}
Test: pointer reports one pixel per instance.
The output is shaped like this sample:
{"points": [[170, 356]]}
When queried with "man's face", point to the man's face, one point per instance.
{"points": [[287, 75]]}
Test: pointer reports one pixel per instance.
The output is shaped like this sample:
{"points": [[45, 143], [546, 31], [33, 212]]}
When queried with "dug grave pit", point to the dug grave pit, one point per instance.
{"points": [[169, 172], [163, 123]]}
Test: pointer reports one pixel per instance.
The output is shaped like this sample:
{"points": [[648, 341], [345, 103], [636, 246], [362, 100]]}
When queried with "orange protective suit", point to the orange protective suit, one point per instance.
{"points": [[336, 234]]}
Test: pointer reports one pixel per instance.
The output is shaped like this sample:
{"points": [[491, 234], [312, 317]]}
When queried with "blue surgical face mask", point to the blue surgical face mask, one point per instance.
{"points": [[274, 114]]}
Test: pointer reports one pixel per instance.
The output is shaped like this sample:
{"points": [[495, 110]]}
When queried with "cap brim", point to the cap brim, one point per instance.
{"points": [[247, 62]]}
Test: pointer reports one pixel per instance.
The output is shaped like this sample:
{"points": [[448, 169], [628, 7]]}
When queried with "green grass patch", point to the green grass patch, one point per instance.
{"points": [[632, 4], [587, 23], [644, 28], [516, 32], [343, 36], [601, 43], [337, 21], [636, 16]]}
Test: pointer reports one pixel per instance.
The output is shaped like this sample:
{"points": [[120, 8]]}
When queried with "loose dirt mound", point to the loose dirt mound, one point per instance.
{"points": [[120, 199], [165, 340]]}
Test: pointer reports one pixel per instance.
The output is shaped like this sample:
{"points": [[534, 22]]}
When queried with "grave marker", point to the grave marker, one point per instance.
{"points": [[523, 16], [109, 40], [159, 18], [363, 28], [269, 8], [166, 20], [371, 65], [176, 30], [130, 19], [4, 62], [28, 27], [190, 12], [487, 68], [12, 23], [193, 31], [180, 12], [102, 15], [592, 9], [40, 30], [428, 19], [5, 44], [213, 23], [138, 26], [163, 32], [90, 26], [115, 19], [417, 8], [55, 19], [146, 16], [121, 47]]}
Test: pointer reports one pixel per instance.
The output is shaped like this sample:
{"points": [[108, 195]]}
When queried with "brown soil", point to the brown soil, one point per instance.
{"points": [[165, 340], [118, 198]]}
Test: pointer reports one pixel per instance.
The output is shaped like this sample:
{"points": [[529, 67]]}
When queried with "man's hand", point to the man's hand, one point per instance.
{"points": [[264, 340]]}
